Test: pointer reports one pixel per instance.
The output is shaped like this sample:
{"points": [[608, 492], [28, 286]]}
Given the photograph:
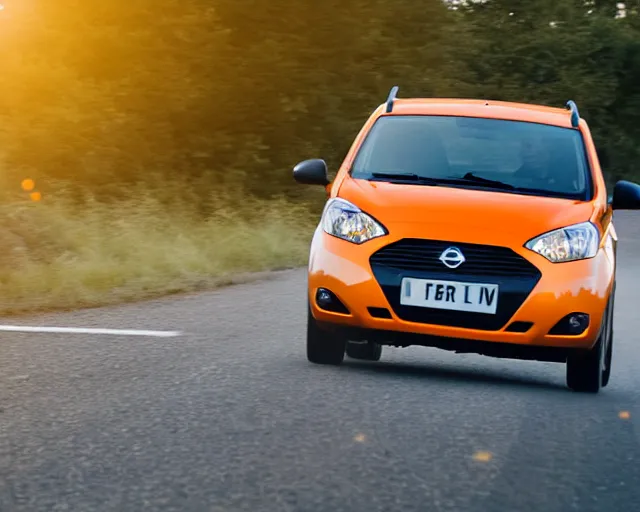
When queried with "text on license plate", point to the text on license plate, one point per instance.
{"points": [[452, 295]]}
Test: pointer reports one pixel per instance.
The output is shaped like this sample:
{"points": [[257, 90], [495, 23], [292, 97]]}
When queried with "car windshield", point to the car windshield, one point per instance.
{"points": [[515, 156]]}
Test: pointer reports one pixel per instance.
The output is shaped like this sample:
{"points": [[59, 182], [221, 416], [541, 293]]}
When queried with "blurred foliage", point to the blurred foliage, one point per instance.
{"points": [[227, 95], [57, 255], [162, 135]]}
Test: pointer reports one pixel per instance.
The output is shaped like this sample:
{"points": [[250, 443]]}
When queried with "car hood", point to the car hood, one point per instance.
{"points": [[477, 216]]}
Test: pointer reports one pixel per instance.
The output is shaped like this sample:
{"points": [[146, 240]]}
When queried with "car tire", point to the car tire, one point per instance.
{"points": [[368, 351], [608, 358], [589, 371], [606, 374], [323, 347], [584, 371]]}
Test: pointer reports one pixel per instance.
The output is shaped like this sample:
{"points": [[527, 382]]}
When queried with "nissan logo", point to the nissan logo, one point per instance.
{"points": [[452, 257]]}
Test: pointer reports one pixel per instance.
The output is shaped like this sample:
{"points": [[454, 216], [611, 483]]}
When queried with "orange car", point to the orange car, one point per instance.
{"points": [[468, 225]]}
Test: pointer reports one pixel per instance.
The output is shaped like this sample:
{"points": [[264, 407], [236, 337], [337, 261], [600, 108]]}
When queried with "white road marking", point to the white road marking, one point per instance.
{"points": [[87, 330]]}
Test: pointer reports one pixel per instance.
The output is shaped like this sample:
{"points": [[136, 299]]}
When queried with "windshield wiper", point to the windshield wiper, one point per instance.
{"points": [[405, 176], [486, 181], [468, 178]]}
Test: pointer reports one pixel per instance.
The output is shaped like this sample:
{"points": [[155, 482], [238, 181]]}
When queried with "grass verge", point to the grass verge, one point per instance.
{"points": [[62, 253]]}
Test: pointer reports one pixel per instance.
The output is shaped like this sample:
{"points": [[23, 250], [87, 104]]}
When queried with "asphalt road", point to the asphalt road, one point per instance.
{"points": [[231, 417]]}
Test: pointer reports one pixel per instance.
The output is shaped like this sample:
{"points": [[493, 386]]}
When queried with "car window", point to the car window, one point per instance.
{"points": [[546, 159]]}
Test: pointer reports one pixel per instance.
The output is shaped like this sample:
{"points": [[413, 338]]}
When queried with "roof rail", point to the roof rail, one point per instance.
{"points": [[392, 96], [575, 115]]}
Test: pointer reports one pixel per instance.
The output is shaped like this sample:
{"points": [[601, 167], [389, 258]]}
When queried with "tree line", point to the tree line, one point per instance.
{"points": [[230, 94]]}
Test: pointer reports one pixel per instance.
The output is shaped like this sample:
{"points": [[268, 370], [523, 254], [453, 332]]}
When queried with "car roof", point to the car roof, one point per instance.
{"points": [[480, 108]]}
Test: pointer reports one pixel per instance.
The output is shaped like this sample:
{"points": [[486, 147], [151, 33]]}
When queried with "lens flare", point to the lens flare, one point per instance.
{"points": [[28, 185]]}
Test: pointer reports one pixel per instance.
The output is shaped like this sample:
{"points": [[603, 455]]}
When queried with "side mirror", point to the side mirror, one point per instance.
{"points": [[626, 196], [311, 172]]}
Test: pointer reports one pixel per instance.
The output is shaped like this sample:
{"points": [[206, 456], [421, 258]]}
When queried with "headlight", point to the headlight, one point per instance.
{"points": [[345, 220], [577, 242]]}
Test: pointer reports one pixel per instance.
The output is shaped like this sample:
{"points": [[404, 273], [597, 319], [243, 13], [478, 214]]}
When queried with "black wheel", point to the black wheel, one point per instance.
{"points": [[323, 347], [608, 358], [584, 371], [364, 351], [606, 374], [589, 371]]}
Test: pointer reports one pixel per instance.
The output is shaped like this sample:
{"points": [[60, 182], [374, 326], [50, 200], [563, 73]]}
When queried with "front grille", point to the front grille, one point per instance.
{"points": [[423, 255], [488, 264]]}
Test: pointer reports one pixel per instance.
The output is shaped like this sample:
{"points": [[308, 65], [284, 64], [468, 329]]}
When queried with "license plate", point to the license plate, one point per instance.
{"points": [[452, 295]]}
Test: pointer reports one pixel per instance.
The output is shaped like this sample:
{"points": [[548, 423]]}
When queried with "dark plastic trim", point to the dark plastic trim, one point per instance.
{"points": [[311, 172], [575, 115], [336, 306], [391, 98], [626, 196]]}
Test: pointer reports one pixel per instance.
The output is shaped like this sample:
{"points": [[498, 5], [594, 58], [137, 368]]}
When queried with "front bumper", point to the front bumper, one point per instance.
{"points": [[543, 300]]}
